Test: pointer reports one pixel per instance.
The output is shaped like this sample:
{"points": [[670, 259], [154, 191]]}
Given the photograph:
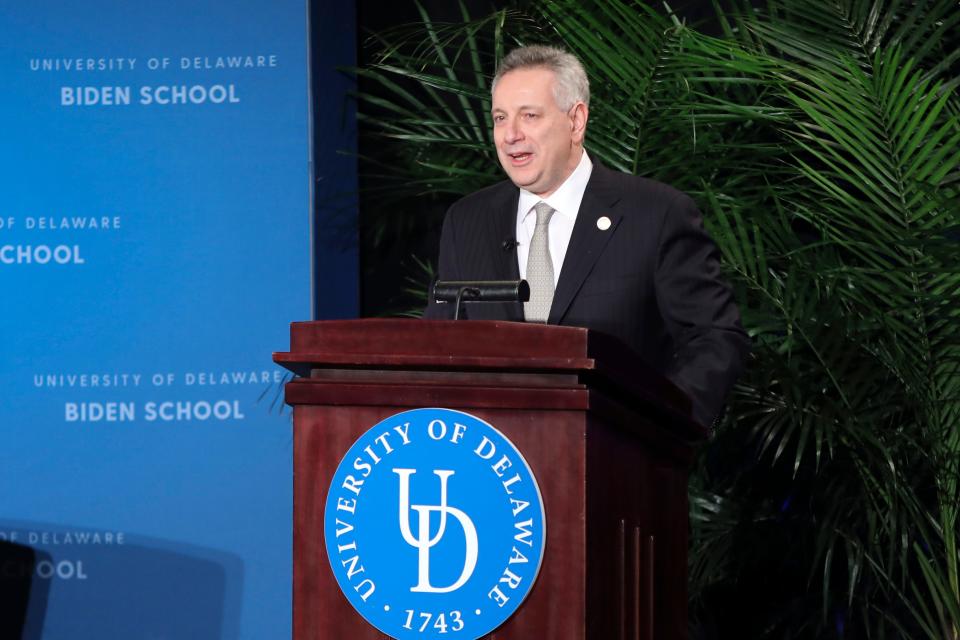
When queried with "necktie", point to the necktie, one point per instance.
{"points": [[540, 268]]}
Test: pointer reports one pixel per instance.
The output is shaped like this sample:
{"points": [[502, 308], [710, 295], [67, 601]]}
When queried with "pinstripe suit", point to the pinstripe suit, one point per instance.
{"points": [[652, 279]]}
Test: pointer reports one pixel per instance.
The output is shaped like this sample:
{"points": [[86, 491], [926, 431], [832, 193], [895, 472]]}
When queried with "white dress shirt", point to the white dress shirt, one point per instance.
{"points": [[566, 201]]}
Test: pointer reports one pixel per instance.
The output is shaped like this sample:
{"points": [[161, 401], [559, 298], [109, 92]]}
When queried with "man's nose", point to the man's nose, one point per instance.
{"points": [[512, 132]]}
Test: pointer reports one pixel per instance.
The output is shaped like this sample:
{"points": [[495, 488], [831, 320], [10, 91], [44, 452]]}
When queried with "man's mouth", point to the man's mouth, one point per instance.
{"points": [[520, 158]]}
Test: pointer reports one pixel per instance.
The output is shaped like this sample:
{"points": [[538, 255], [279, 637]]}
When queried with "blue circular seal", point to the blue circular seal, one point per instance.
{"points": [[434, 526]]}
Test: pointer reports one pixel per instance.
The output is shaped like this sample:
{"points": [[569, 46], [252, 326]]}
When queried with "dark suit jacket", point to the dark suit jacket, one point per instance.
{"points": [[652, 279]]}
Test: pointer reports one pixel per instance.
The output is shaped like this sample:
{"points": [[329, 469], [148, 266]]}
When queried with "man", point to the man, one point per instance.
{"points": [[601, 249]]}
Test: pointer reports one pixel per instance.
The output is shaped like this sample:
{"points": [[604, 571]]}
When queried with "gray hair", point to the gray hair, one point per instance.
{"points": [[572, 85]]}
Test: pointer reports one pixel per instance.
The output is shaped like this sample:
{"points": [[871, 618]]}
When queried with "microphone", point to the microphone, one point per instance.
{"points": [[459, 292], [510, 244]]}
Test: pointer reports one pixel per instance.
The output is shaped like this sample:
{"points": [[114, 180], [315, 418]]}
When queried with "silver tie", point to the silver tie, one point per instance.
{"points": [[540, 268]]}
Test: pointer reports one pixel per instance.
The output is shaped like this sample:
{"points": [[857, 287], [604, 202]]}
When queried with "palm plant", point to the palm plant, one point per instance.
{"points": [[822, 140]]}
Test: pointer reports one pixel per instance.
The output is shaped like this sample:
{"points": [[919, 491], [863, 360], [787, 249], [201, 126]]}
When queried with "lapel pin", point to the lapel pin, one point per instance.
{"points": [[603, 223]]}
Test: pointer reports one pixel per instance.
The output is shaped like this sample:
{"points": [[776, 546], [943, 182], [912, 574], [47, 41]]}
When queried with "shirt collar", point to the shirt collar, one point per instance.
{"points": [[566, 199]]}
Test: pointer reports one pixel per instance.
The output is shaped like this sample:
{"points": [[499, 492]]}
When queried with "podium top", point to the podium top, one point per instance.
{"points": [[475, 345]]}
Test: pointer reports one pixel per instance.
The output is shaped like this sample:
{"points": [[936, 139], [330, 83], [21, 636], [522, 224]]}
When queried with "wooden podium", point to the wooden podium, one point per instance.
{"points": [[608, 440]]}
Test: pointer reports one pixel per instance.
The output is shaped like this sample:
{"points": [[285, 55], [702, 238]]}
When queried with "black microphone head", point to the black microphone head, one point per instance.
{"points": [[509, 244], [481, 291]]}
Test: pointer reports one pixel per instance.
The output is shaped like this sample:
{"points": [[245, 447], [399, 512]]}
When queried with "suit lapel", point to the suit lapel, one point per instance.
{"points": [[503, 228], [587, 241]]}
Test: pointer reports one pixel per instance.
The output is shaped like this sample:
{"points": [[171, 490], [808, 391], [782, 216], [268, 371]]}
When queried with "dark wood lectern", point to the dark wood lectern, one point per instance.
{"points": [[608, 440]]}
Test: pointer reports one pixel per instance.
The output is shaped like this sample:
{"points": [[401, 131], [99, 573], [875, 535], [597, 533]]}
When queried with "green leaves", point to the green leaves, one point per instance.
{"points": [[873, 149]]}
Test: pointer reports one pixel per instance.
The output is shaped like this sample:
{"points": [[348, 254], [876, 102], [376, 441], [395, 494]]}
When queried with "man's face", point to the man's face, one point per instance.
{"points": [[538, 144]]}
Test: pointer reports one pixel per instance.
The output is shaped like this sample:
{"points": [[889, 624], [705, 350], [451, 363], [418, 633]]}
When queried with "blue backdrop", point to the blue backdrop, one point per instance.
{"points": [[154, 243]]}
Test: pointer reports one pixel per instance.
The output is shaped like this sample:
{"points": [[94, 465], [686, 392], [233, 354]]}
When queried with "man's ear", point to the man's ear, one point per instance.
{"points": [[579, 114]]}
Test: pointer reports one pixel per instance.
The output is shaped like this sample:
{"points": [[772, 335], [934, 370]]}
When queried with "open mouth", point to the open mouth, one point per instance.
{"points": [[520, 158]]}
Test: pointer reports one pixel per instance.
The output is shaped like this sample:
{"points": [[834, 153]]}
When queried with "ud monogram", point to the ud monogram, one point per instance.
{"points": [[423, 542], [434, 526]]}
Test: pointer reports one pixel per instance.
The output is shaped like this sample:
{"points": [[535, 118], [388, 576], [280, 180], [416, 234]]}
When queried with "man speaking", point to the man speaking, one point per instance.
{"points": [[600, 249]]}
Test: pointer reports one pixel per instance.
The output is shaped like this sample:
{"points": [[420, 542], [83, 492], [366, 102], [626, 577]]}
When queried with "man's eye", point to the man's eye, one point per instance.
{"points": [[529, 116]]}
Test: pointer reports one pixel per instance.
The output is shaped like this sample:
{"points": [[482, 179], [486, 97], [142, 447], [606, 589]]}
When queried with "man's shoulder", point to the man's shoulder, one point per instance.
{"points": [[637, 186], [500, 192]]}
